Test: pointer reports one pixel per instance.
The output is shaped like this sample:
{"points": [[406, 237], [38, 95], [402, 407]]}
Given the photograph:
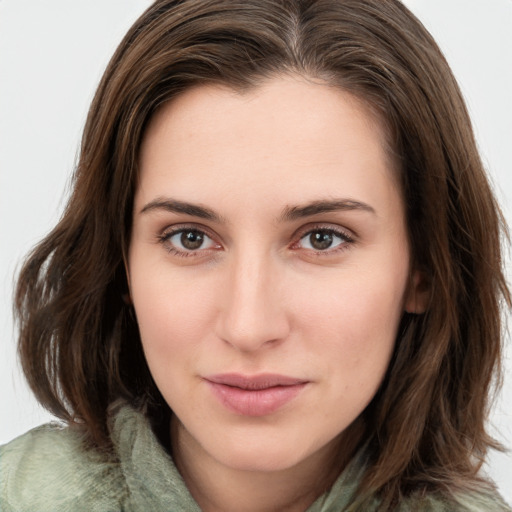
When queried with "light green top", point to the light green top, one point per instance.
{"points": [[47, 469]]}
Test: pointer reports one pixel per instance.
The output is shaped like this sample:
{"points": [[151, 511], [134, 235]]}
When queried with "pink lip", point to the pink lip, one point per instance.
{"points": [[256, 395]]}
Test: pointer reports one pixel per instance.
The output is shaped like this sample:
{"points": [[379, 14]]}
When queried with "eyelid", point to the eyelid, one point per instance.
{"points": [[193, 226], [324, 226], [347, 235], [165, 234]]}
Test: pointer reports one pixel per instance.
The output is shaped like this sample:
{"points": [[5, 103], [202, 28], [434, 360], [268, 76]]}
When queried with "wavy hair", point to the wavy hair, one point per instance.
{"points": [[79, 343]]}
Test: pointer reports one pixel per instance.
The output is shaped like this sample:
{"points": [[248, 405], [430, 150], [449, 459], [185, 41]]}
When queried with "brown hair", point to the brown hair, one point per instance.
{"points": [[79, 342]]}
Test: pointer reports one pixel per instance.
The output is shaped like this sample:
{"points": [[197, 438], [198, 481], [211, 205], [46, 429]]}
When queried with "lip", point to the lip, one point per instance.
{"points": [[254, 395]]}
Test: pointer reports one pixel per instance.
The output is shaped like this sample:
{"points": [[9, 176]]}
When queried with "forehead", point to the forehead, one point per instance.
{"points": [[288, 132], [287, 99]]}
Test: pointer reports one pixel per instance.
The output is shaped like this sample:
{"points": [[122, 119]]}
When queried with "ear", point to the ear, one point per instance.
{"points": [[418, 293]]}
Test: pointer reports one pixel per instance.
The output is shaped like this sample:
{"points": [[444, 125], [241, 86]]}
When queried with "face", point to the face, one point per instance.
{"points": [[268, 267]]}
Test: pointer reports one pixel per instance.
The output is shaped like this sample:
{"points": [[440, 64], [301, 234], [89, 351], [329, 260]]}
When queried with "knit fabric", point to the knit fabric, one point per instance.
{"points": [[48, 469]]}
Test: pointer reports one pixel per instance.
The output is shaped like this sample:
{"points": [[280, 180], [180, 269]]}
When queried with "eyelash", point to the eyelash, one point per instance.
{"points": [[166, 236], [346, 240]]}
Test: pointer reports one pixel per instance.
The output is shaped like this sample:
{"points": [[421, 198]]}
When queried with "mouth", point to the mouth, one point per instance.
{"points": [[254, 395]]}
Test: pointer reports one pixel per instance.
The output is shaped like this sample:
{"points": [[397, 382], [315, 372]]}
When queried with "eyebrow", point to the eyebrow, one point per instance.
{"points": [[290, 213], [175, 206]]}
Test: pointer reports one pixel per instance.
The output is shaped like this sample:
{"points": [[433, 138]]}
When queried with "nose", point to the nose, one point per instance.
{"points": [[253, 313]]}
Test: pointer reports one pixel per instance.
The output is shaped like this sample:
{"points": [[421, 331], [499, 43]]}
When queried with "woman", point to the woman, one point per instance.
{"points": [[277, 283]]}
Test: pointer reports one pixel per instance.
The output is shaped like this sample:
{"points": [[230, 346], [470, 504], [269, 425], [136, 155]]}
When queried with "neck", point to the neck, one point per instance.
{"points": [[218, 488]]}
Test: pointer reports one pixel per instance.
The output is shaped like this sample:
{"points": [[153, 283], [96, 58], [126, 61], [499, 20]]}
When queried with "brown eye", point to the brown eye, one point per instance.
{"points": [[323, 240], [191, 240], [188, 240]]}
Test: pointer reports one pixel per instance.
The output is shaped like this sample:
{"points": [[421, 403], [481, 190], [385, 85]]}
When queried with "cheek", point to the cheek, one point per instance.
{"points": [[173, 314], [353, 322], [353, 303], [174, 319]]}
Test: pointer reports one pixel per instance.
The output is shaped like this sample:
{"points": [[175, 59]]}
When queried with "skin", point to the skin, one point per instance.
{"points": [[257, 295]]}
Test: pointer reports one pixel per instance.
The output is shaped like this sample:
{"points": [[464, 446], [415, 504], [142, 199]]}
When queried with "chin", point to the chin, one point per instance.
{"points": [[262, 454], [259, 460]]}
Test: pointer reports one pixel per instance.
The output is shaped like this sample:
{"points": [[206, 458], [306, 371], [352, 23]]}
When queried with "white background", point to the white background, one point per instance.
{"points": [[52, 54]]}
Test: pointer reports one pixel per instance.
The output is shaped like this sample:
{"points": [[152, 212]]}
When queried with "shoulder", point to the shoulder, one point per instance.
{"points": [[48, 468], [484, 499], [481, 497]]}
